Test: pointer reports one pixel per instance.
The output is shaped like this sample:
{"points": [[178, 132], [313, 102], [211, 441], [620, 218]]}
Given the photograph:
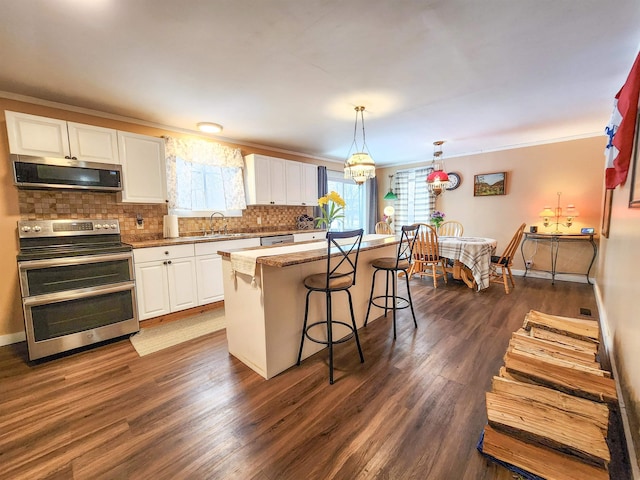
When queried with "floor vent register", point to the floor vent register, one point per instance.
{"points": [[548, 409]]}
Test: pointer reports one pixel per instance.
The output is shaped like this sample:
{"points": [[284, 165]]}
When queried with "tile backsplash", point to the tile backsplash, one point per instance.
{"points": [[54, 204]]}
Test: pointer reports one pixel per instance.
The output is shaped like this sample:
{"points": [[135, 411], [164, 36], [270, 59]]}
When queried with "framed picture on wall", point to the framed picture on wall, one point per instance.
{"points": [[606, 212], [487, 184]]}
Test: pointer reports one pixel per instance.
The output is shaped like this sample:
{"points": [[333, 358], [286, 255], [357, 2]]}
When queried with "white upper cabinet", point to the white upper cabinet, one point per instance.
{"points": [[309, 181], [294, 184], [50, 137], [265, 180], [274, 181], [143, 168], [302, 183]]}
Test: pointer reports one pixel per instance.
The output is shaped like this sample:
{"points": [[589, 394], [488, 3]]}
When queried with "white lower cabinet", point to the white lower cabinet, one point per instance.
{"points": [[209, 267], [177, 277], [165, 279]]}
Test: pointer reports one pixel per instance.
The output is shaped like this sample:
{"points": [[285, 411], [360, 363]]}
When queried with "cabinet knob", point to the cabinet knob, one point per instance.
{"points": [[166, 252], [169, 262]]}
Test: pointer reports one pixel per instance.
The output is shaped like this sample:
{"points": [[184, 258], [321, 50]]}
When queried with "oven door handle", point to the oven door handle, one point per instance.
{"points": [[77, 294], [66, 261]]}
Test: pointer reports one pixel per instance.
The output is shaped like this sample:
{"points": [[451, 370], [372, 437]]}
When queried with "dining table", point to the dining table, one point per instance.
{"points": [[471, 258]]}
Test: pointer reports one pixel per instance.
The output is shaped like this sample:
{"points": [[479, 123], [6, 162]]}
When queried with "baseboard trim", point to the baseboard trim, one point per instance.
{"points": [[608, 346], [10, 338], [562, 277]]}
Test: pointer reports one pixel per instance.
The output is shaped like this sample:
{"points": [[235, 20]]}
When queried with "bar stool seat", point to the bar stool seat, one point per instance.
{"points": [[392, 266], [343, 249]]}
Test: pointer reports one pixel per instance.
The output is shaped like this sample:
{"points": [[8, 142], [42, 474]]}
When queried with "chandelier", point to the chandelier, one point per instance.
{"points": [[437, 180], [359, 166]]}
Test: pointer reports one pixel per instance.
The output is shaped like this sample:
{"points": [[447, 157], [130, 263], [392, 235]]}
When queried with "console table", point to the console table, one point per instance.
{"points": [[555, 239]]}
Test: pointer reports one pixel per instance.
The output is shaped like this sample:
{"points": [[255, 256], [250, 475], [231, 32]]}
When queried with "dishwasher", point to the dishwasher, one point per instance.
{"points": [[276, 239]]}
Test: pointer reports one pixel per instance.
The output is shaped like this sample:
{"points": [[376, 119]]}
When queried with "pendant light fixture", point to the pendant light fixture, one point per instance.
{"points": [[437, 180], [390, 195], [359, 166]]}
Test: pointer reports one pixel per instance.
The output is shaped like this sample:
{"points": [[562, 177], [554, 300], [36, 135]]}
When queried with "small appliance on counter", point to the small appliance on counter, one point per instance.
{"points": [[304, 222]]}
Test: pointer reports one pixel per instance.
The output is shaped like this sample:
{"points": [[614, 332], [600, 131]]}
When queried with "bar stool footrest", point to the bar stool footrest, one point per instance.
{"points": [[347, 337], [401, 302]]}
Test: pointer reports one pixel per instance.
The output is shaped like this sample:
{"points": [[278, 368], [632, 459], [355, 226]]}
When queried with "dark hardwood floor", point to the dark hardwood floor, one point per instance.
{"points": [[413, 410]]}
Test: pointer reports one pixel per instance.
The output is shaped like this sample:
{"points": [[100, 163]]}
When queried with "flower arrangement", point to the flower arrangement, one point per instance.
{"points": [[332, 206], [436, 218]]}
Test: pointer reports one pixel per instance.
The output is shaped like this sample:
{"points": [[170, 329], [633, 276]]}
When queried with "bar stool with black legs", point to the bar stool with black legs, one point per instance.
{"points": [[392, 266], [343, 249]]}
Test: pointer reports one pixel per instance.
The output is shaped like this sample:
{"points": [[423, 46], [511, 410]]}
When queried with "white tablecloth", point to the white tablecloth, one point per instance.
{"points": [[474, 252]]}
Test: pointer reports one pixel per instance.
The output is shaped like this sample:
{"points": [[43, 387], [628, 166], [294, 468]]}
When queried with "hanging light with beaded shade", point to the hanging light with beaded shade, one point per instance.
{"points": [[359, 166]]}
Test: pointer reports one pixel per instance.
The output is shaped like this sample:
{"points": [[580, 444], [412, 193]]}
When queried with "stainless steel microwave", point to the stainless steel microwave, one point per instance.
{"points": [[45, 172]]}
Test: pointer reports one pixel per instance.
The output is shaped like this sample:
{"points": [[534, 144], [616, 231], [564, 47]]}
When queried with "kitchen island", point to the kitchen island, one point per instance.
{"points": [[264, 312]]}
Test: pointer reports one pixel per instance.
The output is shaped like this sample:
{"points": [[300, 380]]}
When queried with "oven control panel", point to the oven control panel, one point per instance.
{"points": [[60, 228]]}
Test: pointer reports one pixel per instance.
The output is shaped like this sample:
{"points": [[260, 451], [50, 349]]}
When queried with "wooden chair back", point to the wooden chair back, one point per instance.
{"points": [[426, 248], [510, 251], [501, 266], [450, 228], [426, 255], [384, 228]]}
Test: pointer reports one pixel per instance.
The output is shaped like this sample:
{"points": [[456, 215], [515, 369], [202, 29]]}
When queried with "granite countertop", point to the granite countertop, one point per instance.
{"points": [[296, 258], [163, 242]]}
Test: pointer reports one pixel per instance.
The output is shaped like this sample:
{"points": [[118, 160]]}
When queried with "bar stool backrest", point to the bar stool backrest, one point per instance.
{"points": [[408, 236], [343, 249]]}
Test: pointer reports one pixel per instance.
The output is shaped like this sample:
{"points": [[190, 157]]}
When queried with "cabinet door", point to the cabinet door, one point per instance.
{"points": [[37, 136], [262, 179], [209, 277], [309, 184], [93, 144], [143, 168], [277, 179], [294, 183], [183, 290], [151, 289]]}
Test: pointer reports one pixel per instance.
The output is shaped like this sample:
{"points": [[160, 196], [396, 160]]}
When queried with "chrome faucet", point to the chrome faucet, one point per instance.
{"points": [[222, 230]]}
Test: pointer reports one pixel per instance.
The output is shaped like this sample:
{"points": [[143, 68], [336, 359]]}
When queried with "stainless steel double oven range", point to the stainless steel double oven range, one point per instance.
{"points": [[77, 284]]}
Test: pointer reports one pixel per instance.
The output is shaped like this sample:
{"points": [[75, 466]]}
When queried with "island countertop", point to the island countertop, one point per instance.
{"points": [[294, 256]]}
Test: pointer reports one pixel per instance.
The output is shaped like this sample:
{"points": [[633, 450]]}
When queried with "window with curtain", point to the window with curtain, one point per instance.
{"points": [[415, 203], [203, 177], [355, 196]]}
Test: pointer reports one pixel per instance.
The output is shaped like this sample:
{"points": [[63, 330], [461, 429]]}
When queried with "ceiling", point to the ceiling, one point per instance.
{"points": [[287, 74]]}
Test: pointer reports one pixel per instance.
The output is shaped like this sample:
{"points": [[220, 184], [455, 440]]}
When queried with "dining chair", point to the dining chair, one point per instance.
{"points": [[426, 256], [504, 262], [392, 266], [384, 228], [343, 249], [450, 228]]}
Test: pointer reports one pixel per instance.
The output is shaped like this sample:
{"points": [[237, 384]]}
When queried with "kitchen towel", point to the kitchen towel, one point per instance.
{"points": [[170, 226]]}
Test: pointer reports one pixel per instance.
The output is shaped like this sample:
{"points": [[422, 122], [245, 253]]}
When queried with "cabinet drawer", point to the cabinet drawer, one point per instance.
{"points": [[152, 254]]}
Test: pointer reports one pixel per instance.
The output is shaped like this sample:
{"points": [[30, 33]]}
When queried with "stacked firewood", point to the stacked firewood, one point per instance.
{"points": [[548, 409]]}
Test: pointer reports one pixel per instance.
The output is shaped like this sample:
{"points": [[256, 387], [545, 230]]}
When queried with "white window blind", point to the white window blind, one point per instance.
{"points": [[415, 203]]}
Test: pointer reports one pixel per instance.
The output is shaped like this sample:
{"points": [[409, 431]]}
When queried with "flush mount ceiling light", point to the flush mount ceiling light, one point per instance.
{"points": [[209, 127], [360, 167], [437, 180]]}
